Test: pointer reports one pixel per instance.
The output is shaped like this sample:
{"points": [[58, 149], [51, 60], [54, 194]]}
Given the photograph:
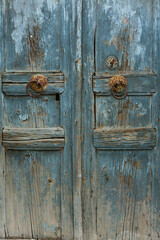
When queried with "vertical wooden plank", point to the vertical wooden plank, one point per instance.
{"points": [[77, 115], [65, 116], [89, 185], [2, 152], [71, 66], [156, 116]]}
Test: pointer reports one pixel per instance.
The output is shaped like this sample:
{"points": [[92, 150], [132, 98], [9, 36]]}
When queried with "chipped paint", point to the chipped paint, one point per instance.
{"points": [[23, 117], [125, 32], [23, 15]]}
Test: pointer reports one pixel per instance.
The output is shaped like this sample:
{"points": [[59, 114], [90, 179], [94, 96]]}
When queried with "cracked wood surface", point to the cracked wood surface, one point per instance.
{"points": [[81, 191], [33, 138], [36, 177], [136, 138]]}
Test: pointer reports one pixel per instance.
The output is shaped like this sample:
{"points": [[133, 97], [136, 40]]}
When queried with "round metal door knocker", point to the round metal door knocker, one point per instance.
{"points": [[37, 84], [118, 86]]}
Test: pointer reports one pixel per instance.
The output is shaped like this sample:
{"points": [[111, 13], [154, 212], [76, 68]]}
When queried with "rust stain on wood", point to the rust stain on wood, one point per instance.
{"points": [[35, 54], [122, 113]]}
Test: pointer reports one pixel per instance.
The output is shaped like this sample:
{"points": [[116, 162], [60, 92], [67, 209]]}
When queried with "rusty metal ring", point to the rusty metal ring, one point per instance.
{"points": [[119, 98], [28, 84]]}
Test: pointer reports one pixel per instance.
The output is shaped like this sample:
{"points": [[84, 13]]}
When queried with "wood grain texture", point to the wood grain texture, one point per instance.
{"points": [[22, 134], [66, 66], [33, 139], [24, 77], [41, 144], [138, 84], [130, 112], [124, 195], [140, 138], [77, 117], [89, 175], [33, 193], [156, 114], [127, 182], [125, 32], [81, 192], [20, 89], [38, 183], [32, 36], [2, 152], [27, 112]]}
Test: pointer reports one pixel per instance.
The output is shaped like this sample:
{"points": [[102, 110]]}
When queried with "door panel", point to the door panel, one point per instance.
{"points": [[124, 193], [76, 163], [33, 192], [36, 154], [121, 173]]}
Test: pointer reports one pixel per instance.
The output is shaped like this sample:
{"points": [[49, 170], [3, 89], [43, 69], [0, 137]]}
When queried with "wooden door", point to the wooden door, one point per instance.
{"points": [[120, 160], [76, 163], [36, 164]]}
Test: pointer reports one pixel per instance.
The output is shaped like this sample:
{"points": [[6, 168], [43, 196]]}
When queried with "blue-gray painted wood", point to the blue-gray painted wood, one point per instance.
{"points": [[125, 184], [124, 195], [36, 198], [99, 183], [33, 192], [2, 151], [124, 30], [89, 175], [132, 138], [65, 118], [32, 35], [34, 138]]}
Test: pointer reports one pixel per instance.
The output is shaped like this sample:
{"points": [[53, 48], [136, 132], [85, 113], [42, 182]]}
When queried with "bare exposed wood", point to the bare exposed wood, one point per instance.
{"points": [[35, 139], [27, 134], [140, 138], [44, 144]]}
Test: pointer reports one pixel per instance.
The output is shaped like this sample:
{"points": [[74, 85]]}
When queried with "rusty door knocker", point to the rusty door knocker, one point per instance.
{"points": [[118, 86], [38, 84]]}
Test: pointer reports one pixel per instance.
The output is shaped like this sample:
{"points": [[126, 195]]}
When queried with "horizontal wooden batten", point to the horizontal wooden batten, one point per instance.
{"points": [[20, 89], [138, 84], [136, 138], [33, 138], [15, 83], [24, 77]]}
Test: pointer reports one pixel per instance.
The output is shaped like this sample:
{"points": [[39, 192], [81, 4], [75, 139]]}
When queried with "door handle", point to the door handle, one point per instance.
{"points": [[37, 84], [118, 86]]}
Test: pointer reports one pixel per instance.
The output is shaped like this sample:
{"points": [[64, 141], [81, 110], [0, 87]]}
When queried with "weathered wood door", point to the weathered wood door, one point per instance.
{"points": [[120, 157], [36, 168], [76, 163]]}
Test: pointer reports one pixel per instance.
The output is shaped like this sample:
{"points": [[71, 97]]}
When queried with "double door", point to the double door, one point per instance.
{"points": [[79, 159]]}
